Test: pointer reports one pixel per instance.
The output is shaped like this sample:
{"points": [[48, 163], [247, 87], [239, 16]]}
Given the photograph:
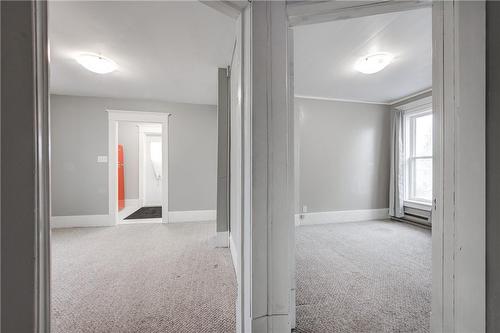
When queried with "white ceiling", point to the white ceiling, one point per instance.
{"points": [[165, 50], [325, 55]]}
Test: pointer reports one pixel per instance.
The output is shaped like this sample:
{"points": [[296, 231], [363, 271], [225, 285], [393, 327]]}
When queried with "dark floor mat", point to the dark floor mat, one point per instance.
{"points": [[145, 213]]}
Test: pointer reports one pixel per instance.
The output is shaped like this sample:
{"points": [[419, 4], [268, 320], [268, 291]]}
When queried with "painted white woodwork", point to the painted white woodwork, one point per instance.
{"points": [[271, 209], [114, 116]]}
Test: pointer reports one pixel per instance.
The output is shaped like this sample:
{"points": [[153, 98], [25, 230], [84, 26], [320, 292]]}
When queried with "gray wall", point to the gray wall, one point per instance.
{"points": [[343, 155], [223, 150], [18, 194], [80, 134], [492, 167], [128, 136]]}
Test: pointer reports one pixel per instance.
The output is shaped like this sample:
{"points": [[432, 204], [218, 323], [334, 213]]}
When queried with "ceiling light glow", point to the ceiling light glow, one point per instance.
{"points": [[373, 63], [96, 63]]}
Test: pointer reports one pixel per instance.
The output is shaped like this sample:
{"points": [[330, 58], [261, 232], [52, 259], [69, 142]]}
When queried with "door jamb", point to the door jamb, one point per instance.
{"points": [[144, 130], [446, 70], [42, 251], [114, 116]]}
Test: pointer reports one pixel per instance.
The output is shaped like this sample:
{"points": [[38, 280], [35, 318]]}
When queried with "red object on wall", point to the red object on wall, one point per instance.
{"points": [[121, 179]]}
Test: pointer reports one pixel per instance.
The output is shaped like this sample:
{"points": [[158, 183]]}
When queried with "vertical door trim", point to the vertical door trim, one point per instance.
{"points": [[145, 129], [114, 116]]}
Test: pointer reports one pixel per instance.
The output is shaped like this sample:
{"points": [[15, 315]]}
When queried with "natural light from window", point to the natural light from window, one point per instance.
{"points": [[419, 157]]}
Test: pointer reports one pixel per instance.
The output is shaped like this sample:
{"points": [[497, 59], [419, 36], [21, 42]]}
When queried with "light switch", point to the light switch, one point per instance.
{"points": [[102, 159]]}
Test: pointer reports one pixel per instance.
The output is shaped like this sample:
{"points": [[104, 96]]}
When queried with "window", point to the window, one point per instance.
{"points": [[418, 153]]}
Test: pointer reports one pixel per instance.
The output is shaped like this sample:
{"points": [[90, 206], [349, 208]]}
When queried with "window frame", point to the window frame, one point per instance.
{"points": [[410, 158]]}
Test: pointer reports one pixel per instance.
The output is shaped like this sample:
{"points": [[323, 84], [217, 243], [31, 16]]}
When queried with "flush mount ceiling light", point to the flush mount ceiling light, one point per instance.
{"points": [[373, 63], [96, 63]]}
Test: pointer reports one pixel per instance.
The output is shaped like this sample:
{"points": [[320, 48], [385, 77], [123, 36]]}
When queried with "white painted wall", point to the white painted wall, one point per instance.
{"points": [[152, 184]]}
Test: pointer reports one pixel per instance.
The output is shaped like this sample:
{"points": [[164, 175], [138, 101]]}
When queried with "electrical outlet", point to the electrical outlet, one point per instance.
{"points": [[304, 209]]}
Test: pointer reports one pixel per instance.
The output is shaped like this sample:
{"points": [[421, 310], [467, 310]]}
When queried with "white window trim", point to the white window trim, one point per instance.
{"points": [[417, 205], [413, 109]]}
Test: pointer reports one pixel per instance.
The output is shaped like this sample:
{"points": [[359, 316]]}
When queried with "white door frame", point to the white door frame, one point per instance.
{"points": [[459, 262], [145, 130], [115, 116]]}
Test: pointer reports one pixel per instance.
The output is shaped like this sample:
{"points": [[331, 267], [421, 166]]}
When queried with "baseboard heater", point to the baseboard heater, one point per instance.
{"points": [[416, 216]]}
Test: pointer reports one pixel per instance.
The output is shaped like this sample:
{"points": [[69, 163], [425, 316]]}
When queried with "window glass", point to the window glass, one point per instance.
{"points": [[423, 135], [418, 156], [155, 151], [423, 179]]}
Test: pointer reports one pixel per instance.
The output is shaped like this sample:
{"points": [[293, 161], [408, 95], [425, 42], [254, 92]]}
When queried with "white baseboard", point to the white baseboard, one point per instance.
{"points": [[278, 323], [105, 221], [222, 239], [191, 216], [234, 254], [77, 221], [341, 216], [293, 308]]}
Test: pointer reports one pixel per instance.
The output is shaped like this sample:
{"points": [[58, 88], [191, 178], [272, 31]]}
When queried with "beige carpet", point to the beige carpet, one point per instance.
{"points": [[365, 277], [141, 278]]}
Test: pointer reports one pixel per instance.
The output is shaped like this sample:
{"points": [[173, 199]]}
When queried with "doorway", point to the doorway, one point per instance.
{"points": [[152, 170], [150, 133], [152, 174], [140, 172], [457, 316], [349, 249], [448, 215]]}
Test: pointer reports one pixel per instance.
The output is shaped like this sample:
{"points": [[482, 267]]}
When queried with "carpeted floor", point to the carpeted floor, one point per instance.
{"points": [[364, 277], [142, 278]]}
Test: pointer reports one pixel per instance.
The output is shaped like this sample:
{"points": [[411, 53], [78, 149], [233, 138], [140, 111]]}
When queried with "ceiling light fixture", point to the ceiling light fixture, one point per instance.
{"points": [[373, 63], [96, 63]]}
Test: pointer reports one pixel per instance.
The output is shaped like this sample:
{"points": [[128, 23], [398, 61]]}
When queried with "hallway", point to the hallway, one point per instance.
{"points": [[142, 278]]}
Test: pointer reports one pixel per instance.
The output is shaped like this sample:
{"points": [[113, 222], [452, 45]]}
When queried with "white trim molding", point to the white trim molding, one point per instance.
{"points": [[418, 105], [333, 99], [422, 93], [192, 216], [341, 216], [231, 9], [115, 116], [458, 215], [81, 221], [222, 239], [234, 254], [144, 130], [417, 205], [312, 12]]}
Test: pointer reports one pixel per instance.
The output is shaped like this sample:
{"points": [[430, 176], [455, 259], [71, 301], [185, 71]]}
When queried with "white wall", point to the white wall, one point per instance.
{"points": [[344, 156]]}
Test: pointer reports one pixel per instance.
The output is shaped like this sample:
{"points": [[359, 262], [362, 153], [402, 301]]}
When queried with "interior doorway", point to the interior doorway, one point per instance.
{"points": [[140, 172], [363, 164], [454, 306], [151, 176], [146, 134]]}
